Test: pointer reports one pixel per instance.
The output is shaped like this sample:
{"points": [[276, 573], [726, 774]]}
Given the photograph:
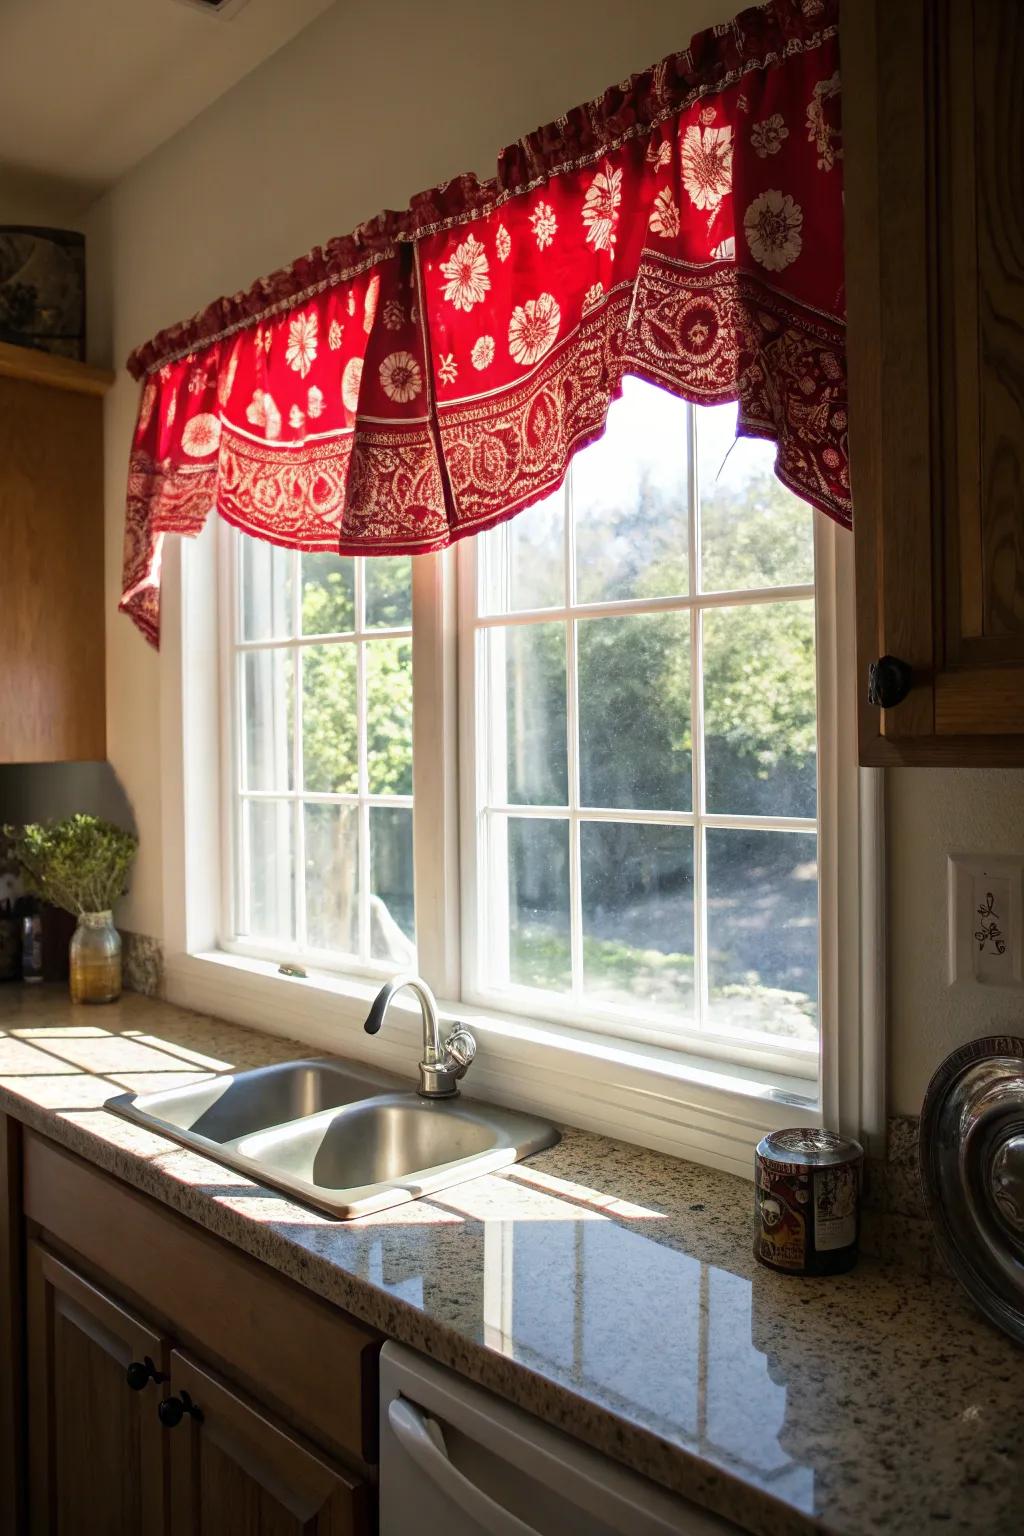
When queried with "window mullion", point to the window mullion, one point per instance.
{"points": [[298, 767], [572, 695], [700, 909], [435, 770], [363, 816]]}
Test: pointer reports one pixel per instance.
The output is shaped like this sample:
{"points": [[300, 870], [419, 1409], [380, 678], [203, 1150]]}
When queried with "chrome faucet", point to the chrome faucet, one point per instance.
{"points": [[442, 1065]]}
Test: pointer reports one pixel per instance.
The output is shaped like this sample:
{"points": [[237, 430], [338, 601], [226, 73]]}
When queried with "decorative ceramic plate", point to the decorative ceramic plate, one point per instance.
{"points": [[972, 1164]]}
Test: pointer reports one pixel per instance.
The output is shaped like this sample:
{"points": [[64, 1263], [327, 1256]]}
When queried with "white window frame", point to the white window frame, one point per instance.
{"points": [[710, 1108]]}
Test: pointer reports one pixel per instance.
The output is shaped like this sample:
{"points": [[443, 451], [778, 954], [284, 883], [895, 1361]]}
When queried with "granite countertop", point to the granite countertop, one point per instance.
{"points": [[608, 1289]]}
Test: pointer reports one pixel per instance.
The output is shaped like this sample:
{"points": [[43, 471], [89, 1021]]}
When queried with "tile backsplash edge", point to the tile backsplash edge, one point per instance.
{"points": [[142, 964]]}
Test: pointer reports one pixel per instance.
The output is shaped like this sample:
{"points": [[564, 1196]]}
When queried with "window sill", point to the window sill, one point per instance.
{"points": [[706, 1111]]}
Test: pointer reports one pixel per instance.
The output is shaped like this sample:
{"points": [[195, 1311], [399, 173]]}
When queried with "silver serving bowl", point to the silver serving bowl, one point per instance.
{"points": [[972, 1165]]}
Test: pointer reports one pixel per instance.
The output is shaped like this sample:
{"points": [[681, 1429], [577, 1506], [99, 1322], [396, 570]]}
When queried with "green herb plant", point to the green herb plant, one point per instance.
{"points": [[80, 864]]}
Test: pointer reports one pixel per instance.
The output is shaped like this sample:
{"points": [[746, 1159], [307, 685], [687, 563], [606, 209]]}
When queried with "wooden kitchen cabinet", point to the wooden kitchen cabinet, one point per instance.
{"points": [[233, 1471], [52, 696], [252, 1404], [933, 118], [96, 1446]]}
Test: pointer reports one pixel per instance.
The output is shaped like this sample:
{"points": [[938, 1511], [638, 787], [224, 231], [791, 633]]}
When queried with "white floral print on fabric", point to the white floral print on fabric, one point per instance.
{"points": [[533, 328], [482, 355], [393, 315], [772, 226], [146, 407], [545, 225], [226, 382], [466, 276], [707, 165], [314, 402], [664, 220], [334, 335], [400, 377], [659, 154], [725, 250], [350, 381], [766, 138], [370, 302], [197, 380], [296, 420], [351, 302], [601, 207], [302, 342], [593, 295], [502, 243], [172, 411], [201, 435], [820, 132], [447, 368], [262, 412]]}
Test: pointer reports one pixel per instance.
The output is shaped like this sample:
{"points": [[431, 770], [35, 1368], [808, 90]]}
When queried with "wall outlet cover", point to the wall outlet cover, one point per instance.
{"points": [[986, 919]]}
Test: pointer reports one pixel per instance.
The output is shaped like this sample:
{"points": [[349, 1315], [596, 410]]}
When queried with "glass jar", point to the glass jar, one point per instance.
{"points": [[95, 957]]}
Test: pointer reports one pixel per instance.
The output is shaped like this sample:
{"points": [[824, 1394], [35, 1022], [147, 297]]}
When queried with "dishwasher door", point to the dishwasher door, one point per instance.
{"points": [[456, 1461]]}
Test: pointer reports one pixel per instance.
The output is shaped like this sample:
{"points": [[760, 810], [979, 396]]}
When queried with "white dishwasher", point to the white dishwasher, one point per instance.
{"points": [[457, 1461]]}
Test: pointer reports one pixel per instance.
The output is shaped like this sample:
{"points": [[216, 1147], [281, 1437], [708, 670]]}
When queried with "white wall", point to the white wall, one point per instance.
{"points": [[360, 111], [932, 812]]}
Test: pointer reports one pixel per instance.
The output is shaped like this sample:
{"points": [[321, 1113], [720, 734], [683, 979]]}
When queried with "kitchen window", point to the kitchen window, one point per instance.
{"points": [[623, 805]]}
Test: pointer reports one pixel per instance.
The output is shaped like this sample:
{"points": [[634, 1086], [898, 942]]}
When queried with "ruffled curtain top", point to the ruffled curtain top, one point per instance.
{"points": [[433, 372]]}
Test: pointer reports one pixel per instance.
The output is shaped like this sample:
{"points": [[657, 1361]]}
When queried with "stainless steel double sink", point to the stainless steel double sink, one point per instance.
{"points": [[346, 1140]]}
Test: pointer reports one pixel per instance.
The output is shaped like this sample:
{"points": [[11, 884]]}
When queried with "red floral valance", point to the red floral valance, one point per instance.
{"points": [[433, 372]]}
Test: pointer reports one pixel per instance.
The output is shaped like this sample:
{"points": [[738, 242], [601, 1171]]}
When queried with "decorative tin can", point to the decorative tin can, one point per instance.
{"points": [[807, 1201]]}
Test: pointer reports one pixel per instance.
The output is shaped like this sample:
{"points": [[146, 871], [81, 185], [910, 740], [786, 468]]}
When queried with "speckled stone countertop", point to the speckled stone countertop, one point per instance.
{"points": [[608, 1289]]}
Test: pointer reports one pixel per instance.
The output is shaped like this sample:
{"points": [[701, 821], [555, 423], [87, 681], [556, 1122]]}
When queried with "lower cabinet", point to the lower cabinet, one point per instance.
{"points": [[130, 1436], [234, 1472]]}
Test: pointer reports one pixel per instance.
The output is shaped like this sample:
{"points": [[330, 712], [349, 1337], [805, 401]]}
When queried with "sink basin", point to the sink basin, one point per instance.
{"points": [[341, 1138]]}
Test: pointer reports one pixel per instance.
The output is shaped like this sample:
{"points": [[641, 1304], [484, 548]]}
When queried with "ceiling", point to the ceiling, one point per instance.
{"points": [[88, 90]]}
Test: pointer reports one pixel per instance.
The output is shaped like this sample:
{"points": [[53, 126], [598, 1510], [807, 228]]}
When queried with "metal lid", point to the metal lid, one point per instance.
{"points": [[972, 1167], [808, 1147]]}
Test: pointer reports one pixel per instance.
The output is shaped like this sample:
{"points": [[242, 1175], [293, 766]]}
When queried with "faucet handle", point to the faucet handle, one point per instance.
{"points": [[460, 1048]]}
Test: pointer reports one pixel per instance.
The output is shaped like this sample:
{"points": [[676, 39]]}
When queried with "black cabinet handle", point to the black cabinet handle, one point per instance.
{"points": [[172, 1410], [141, 1372], [889, 681]]}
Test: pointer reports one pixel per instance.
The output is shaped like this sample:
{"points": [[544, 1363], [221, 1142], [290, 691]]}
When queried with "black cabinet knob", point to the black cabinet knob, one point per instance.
{"points": [[889, 681], [140, 1373], [172, 1410]]}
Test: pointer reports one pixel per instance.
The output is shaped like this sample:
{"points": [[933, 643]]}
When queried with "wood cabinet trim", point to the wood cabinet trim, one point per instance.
{"points": [[57, 372], [313, 1364]]}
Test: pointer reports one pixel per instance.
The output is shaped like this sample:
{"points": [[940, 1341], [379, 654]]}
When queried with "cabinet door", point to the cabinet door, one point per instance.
{"points": [[933, 117], [95, 1443], [234, 1471], [52, 689]]}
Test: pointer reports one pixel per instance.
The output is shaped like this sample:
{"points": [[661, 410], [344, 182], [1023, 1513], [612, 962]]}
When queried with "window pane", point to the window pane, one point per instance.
{"points": [[629, 497], [392, 930], [388, 583], [634, 712], [754, 533], [328, 595], [332, 869], [762, 929], [759, 710], [268, 682], [330, 747], [267, 574], [538, 902], [638, 914], [536, 554], [526, 665], [267, 829], [389, 717]]}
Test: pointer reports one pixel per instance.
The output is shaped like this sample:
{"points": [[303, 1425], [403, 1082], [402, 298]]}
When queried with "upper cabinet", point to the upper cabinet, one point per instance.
{"points": [[52, 697], [933, 109]]}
